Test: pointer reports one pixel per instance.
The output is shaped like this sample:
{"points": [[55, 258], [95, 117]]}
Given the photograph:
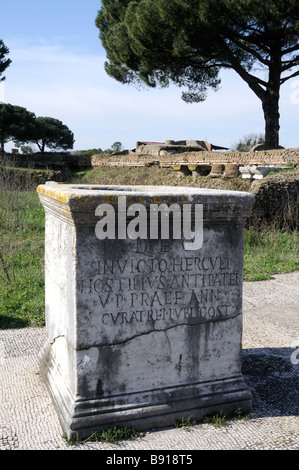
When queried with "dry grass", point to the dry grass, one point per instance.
{"points": [[155, 176]]}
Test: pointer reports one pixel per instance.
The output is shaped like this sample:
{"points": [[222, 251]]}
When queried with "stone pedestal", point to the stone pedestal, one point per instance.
{"points": [[142, 332]]}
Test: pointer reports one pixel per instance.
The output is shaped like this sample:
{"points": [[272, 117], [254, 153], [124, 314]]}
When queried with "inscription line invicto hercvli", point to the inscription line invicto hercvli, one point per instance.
{"points": [[152, 265]]}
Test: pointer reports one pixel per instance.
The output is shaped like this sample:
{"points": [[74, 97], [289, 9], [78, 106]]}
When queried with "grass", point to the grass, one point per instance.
{"points": [[216, 420], [21, 260], [113, 435], [154, 176], [184, 423], [116, 434], [270, 251], [266, 252]]}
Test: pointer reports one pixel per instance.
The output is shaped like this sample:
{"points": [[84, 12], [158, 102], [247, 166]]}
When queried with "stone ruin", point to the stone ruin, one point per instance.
{"points": [[174, 147], [142, 332], [200, 158]]}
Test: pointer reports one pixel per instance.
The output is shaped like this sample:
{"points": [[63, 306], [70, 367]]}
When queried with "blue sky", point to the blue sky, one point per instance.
{"points": [[57, 70]]}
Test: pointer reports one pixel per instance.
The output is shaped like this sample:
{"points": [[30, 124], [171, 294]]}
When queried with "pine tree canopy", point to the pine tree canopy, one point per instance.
{"points": [[187, 43]]}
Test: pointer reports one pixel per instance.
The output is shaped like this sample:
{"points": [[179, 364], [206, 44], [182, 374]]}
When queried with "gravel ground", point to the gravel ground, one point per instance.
{"points": [[28, 420]]}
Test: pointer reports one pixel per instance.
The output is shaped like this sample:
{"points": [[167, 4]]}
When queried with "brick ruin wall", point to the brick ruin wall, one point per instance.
{"points": [[267, 157]]}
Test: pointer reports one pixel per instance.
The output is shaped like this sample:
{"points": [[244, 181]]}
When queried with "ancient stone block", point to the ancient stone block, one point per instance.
{"points": [[231, 170], [246, 172], [217, 170], [142, 331]]}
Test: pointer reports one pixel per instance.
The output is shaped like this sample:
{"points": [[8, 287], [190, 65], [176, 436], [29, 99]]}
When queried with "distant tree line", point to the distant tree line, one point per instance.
{"points": [[116, 147], [21, 126], [247, 142]]}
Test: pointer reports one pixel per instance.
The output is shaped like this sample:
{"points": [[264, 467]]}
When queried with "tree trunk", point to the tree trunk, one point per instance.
{"points": [[267, 92], [270, 100], [271, 113], [40, 145]]}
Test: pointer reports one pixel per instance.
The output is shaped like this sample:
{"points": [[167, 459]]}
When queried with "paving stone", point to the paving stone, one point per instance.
{"points": [[28, 420]]}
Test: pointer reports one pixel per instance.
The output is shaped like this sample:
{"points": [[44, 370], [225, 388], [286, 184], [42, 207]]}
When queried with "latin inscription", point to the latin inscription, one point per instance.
{"points": [[163, 291]]}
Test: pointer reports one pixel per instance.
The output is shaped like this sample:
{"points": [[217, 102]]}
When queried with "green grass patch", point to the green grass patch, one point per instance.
{"points": [[184, 423], [21, 260], [216, 420], [270, 251], [113, 435]]}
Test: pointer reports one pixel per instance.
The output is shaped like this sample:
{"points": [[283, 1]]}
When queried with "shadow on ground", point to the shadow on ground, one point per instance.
{"points": [[9, 323], [272, 376]]}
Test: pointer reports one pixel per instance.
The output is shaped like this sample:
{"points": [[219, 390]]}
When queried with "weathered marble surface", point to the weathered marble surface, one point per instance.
{"points": [[142, 332]]}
